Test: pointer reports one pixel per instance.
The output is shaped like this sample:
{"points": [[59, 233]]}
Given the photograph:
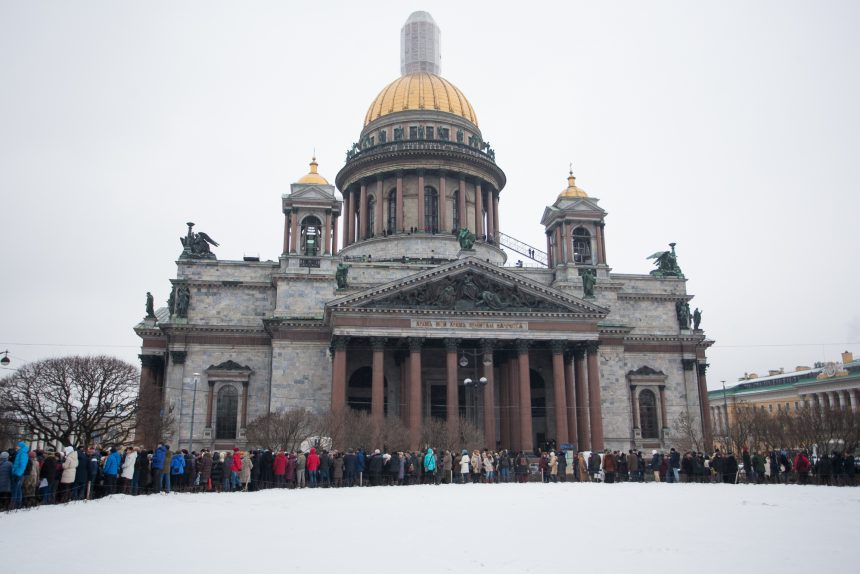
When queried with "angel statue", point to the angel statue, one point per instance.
{"points": [[667, 263], [196, 245]]}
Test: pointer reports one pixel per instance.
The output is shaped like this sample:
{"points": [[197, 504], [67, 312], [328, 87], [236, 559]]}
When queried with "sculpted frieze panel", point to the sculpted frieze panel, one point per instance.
{"points": [[467, 292]]}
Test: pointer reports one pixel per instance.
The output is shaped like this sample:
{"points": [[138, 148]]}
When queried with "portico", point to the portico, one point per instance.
{"points": [[470, 320]]}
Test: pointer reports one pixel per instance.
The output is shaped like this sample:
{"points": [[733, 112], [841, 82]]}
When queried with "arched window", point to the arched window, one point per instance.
{"points": [[227, 413], [648, 414], [311, 234], [371, 215], [582, 246], [392, 211], [455, 204], [431, 209]]}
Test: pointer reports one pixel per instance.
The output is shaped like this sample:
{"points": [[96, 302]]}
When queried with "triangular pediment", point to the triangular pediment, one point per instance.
{"points": [[579, 207], [311, 192], [469, 285]]}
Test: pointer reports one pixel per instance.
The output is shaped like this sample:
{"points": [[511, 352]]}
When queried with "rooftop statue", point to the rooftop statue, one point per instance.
{"points": [[466, 238], [667, 264], [588, 281], [150, 306], [340, 275], [196, 245]]}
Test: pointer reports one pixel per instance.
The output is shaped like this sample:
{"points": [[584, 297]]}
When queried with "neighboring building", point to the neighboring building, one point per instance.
{"points": [[398, 317], [826, 386]]}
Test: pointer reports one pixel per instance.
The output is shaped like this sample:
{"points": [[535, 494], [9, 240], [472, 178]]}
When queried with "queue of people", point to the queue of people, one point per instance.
{"points": [[30, 478]]}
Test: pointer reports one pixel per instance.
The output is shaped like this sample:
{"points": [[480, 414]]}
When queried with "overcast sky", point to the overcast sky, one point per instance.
{"points": [[731, 128]]}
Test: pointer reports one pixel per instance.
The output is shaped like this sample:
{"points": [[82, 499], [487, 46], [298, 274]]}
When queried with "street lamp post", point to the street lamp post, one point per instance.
{"points": [[193, 403]]}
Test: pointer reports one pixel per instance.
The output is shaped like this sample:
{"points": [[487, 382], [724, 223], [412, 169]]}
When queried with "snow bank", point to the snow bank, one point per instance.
{"points": [[617, 528]]}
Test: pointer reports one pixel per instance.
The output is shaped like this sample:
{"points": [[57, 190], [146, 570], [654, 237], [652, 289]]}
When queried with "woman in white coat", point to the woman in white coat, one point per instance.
{"points": [[128, 469], [70, 467], [464, 467]]}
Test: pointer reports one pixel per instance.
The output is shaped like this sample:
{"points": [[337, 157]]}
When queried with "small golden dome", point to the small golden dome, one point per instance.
{"points": [[313, 176], [420, 91], [572, 190]]}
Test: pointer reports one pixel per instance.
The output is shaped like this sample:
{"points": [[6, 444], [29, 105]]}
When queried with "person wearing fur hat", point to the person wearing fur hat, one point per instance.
{"points": [[70, 466]]}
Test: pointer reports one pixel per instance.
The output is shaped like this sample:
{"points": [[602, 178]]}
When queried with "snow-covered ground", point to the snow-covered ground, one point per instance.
{"points": [[639, 528]]}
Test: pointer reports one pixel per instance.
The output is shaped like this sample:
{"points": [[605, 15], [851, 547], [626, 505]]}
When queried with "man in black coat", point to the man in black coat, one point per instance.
{"points": [[349, 466], [79, 488]]}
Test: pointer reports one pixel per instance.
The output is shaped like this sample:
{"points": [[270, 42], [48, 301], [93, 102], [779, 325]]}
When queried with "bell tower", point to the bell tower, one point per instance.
{"points": [[311, 211], [575, 234]]}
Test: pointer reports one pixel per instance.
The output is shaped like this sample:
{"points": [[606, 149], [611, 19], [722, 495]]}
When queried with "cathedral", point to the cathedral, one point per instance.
{"points": [[392, 294]]}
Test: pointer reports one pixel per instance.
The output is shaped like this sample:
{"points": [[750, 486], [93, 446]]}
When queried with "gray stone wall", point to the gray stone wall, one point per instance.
{"points": [[301, 376]]}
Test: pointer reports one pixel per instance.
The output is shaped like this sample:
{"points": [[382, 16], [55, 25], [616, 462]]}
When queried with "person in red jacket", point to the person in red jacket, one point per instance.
{"points": [[313, 465], [235, 468], [279, 468], [801, 465]]}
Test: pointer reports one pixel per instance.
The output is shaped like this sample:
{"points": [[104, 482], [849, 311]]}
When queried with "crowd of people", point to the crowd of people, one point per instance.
{"points": [[36, 477]]}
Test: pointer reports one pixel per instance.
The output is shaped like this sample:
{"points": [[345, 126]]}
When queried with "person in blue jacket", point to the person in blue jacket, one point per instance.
{"points": [[22, 456], [177, 468], [359, 465], [156, 466], [430, 465], [111, 470]]}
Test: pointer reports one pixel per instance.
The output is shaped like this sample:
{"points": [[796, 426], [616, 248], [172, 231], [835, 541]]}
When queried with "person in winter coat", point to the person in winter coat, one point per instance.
{"points": [[374, 468], [279, 468], [157, 465], [730, 469], [70, 465], [177, 470], [5, 480], [127, 472], [337, 469], [562, 466], [206, 471], [111, 470], [802, 466], [19, 465], [292, 461], [582, 467], [476, 466], [31, 479], [217, 475], [79, 488], [313, 466], [552, 467], [350, 461], [594, 466], [301, 470], [610, 466], [325, 469], [464, 466], [430, 464], [235, 469], [245, 473], [360, 465], [48, 478]]}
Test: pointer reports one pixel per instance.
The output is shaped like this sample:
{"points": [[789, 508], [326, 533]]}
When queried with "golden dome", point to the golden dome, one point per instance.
{"points": [[313, 176], [572, 190], [420, 91]]}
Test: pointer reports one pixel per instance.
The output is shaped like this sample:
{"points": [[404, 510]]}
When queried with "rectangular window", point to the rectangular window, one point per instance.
{"points": [[429, 132], [444, 134], [413, 132]]}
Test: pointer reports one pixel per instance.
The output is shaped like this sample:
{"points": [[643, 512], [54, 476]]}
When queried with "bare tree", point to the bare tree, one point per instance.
{"points": [[74, 400], [688, 435], [285, 429], [156, 420]]}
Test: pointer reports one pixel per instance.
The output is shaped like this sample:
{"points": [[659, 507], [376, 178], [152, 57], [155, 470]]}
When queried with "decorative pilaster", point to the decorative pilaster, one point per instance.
{"points": [[582, 402], [338, 375], [453, 398], [525, 418], [421, 226], [415, 409], [489, 395], [558, 392], [377, 391], [594, 396]]}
